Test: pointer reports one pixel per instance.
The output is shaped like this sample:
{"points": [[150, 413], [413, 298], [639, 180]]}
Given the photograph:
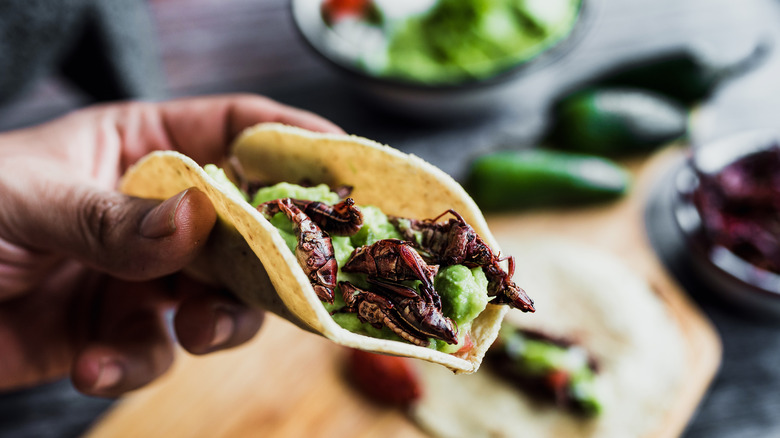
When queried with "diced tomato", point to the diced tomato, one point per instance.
{"points": [[468, 344], [354, 6], [335, 10], [557, 380], [386, 379]]}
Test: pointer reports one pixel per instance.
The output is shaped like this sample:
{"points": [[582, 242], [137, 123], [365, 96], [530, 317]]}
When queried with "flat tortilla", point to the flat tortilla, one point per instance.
{"points": [[587, 295], [246, 254]]}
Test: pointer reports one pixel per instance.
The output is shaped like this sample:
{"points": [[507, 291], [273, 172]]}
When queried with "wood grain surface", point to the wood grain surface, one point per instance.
{"points": [[285, 383], [289, 383]]}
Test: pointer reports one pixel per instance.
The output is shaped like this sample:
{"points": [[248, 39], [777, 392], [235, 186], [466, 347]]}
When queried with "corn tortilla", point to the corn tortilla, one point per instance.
{"points": [[592, 297], [246, 254]]}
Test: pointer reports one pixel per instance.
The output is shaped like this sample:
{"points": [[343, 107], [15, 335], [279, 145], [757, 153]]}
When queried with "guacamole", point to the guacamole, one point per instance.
{"points": [[463, 297], [460, 40], [223, 181], [463, 290]]}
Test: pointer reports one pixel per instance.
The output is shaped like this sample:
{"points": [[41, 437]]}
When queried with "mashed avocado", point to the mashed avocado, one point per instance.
{"points": [[319, 193], [463, 298], [222, 180], [463, 291], [375, 227], [458, 40]]}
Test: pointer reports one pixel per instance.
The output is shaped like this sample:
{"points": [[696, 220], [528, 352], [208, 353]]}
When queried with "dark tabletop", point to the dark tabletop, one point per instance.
{"points": [[251, 46]]}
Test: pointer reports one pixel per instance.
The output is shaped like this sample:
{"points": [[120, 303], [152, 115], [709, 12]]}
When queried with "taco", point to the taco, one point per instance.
{"points": [[612, 316], [247, 252]]}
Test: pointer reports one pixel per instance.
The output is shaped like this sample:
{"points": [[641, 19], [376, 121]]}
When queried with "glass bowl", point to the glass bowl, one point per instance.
{"points": [[718, 265]]}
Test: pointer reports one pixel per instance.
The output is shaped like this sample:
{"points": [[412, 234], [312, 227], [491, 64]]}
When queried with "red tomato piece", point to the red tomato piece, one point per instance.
{"points": [[386, 379]]}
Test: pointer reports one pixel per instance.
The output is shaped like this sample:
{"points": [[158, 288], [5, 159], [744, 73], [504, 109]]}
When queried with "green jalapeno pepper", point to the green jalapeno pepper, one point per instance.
{"points": [[615, 121], [538, 177], [684, 75]]}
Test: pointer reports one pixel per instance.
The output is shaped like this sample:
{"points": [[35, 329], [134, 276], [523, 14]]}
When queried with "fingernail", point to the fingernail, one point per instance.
{"points": [[109, 376], [161, 220], [224, 325]]}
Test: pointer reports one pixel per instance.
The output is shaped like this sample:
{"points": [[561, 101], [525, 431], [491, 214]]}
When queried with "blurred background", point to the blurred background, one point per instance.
{"points": [[161, 49], [206, 46]]}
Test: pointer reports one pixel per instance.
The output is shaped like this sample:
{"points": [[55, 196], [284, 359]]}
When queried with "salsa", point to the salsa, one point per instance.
{"points": [[739, 206]]}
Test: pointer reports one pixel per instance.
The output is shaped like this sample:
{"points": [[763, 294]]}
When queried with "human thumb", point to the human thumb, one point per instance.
{"points": [[128, 237]]}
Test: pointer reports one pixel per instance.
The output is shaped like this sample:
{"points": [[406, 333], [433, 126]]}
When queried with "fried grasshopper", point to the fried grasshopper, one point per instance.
{"points": [[455, 242]]}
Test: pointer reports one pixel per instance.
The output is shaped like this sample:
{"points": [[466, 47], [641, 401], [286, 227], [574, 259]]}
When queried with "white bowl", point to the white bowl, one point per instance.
{"points": [[474, 97]]}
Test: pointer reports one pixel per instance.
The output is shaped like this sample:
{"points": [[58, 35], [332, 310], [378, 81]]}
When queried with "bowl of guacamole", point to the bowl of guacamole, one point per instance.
{"points": [[437, 55]]}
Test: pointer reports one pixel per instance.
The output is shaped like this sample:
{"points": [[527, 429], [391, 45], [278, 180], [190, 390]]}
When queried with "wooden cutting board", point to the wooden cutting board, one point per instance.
{"points": [[289, 383]]}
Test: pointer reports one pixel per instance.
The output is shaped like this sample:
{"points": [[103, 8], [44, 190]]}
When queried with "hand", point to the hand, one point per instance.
{"points": [[88, 275]]}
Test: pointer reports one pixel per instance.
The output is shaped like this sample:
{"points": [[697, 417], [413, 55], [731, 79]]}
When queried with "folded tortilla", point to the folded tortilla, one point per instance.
{"points": [[246, 254], [593, 298]]}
